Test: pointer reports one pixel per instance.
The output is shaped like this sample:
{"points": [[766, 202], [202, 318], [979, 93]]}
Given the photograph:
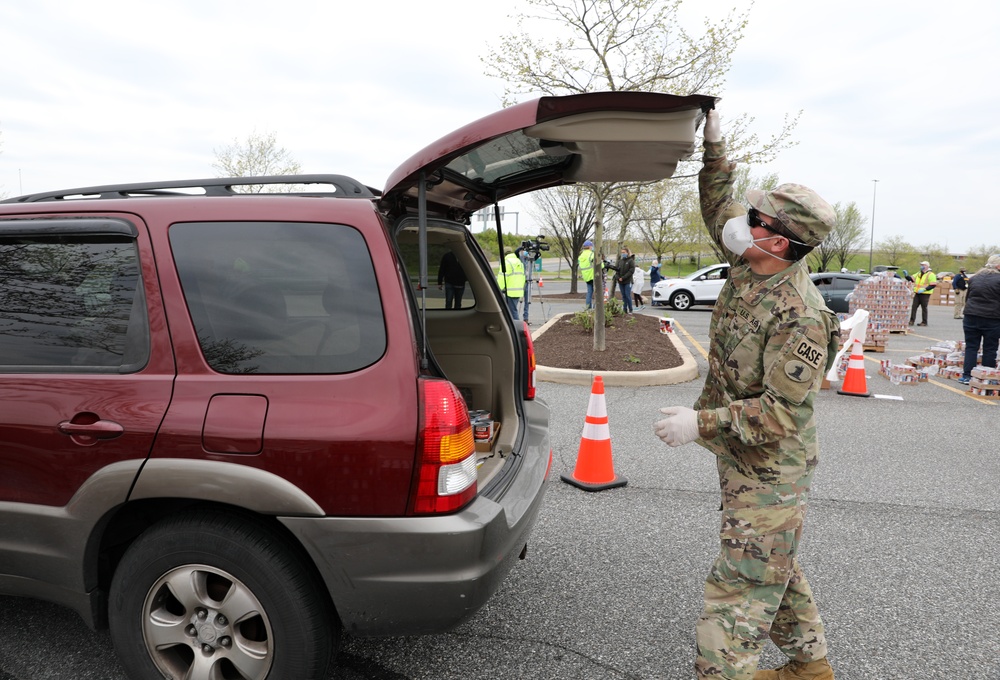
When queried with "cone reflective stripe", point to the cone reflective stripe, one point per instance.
{"points": [[594, 468], [855, 381]]}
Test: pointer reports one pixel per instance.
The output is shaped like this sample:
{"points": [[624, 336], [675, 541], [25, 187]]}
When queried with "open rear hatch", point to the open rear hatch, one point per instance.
{"points": [[594, 137]]}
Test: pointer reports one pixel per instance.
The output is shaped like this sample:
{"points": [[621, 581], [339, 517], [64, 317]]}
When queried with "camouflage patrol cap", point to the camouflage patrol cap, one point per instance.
{"points": [[803, 212]]}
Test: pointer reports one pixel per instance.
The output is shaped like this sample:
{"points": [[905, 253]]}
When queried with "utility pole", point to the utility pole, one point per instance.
{"points": [[871, 244]]}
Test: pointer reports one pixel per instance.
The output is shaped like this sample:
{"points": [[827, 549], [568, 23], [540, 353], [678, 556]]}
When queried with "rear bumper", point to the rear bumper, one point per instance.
{"points": [[414, 575]]}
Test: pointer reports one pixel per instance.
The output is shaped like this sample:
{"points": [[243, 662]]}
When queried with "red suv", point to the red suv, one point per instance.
{"points": [[234, 424]]}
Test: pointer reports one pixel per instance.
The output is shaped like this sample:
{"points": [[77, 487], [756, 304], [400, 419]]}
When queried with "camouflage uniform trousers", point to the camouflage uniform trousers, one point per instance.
{"points": [[756, 589]]}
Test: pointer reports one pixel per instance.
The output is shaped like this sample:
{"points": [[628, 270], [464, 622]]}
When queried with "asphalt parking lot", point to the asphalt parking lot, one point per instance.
{"points": [[900, 546]]}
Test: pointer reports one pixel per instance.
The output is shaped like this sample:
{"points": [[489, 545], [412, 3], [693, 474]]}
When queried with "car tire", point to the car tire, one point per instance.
{"points": [[681, 300], [206, 595]]}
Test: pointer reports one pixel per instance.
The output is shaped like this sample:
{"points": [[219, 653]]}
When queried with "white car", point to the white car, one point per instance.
{"points": [[700, 288]]}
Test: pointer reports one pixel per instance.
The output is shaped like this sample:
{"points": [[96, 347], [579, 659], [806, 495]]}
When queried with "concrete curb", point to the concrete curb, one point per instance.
{"points": [[668, 376]]}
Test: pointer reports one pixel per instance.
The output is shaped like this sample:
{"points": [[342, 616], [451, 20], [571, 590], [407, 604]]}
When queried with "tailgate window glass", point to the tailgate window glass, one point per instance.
{"points": [[71, 303], [511, 154], [279, 297], [447, 281]]}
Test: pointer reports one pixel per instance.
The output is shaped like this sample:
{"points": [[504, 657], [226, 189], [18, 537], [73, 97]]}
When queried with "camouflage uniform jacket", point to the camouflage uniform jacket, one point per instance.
{"points": [[771, 341]]}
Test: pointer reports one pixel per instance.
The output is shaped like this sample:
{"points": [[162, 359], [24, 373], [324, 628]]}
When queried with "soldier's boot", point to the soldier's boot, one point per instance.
{"points": [[797, 670]]}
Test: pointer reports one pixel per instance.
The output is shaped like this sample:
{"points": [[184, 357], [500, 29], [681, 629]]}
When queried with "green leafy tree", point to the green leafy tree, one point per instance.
{"points": [[257, 156], [895, 250], [939, 257], [975, 257]]}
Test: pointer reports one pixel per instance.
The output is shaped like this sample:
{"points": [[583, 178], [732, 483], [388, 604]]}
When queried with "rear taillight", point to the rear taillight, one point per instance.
{"points": [[445, 479], [529, 388]]}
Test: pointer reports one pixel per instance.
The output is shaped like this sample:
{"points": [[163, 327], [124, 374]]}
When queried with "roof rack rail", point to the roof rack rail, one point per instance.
{"points": [[341, 186]]}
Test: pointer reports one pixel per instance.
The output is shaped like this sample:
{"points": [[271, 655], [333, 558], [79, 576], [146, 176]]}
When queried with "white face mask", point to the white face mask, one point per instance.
{"points": [[738, 238]]}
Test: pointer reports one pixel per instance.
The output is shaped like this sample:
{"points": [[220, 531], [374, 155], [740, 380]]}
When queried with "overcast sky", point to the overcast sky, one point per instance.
{"points": [[103, 91]]}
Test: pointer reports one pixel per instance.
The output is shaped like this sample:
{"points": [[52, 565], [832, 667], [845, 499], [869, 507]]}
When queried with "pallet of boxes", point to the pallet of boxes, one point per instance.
{"points": [[887, 299], [985, 382], [941, 359]]}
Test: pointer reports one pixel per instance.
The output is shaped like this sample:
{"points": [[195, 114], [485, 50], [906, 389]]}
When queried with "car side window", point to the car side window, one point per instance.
{"points": [[71, 302], [825, 284], [844, 284], [280, 297]]}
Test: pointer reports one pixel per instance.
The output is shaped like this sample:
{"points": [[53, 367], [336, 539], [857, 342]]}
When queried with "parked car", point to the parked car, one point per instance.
{"points": [[836, 288], [700, 288], [233, 424]]}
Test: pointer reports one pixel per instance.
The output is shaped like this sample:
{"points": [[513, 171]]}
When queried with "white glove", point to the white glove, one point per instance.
{"points": [[713, 126], [680, 427]]}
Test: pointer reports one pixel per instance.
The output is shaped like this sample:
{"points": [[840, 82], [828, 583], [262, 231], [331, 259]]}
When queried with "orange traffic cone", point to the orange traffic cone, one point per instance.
{"points": [[594, 469], [855, 381]]}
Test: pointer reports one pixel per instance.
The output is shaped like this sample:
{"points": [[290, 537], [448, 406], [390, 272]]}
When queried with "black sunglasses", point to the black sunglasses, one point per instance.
{"points": [[754, 220]]}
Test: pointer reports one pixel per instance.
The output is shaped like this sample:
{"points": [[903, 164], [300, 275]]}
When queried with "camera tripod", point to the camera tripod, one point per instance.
{"points": [[530, 285]]}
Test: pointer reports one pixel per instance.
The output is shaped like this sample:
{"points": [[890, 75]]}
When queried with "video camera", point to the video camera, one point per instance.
{"points": [[532, 248]]}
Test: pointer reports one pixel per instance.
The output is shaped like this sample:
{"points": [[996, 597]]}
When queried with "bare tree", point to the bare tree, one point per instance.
{"points": [[845, 238], [617, 45], [257, 156], [567, 212], [658, 215]]}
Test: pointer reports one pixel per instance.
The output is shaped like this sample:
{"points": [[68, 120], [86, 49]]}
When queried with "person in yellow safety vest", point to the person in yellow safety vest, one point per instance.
{"points": [[585, 265], [923, 284], [512, 282]]}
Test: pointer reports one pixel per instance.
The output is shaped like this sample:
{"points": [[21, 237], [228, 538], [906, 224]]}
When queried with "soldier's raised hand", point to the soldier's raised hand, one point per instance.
{"points": [[713, 126]]}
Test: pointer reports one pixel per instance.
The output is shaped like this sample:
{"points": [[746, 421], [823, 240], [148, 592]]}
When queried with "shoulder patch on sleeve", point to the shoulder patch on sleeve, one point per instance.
{"points": [[809, 352], [797, 368]]}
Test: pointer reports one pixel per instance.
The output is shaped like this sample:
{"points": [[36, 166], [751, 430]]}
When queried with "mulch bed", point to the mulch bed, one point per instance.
{"points": [[633, 343]]}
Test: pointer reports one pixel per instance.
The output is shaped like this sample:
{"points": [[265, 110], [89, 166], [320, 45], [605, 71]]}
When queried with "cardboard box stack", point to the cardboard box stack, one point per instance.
{"points": [[942, 294], [948, 355], [888, 301], [905, 374], [985, 382]]}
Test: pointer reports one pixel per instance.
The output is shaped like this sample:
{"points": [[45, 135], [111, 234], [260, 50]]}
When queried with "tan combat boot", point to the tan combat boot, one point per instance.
{"points": [[798, 670]]}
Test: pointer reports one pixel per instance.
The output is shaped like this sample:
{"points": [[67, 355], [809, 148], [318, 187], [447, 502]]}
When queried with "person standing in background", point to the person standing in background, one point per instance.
{"points": [[624, 271], [959, 283], [982, 318], [637, 284], [585, 265], [923, 284], [511, 279], [452, 276], [654, 277]]}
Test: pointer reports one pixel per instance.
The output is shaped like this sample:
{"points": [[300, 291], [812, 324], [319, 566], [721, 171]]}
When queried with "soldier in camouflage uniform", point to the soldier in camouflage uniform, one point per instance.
{"points": [[772, 338]]}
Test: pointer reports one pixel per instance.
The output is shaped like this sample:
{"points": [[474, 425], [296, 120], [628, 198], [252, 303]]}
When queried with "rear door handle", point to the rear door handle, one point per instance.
{"points": [[102, 429]]}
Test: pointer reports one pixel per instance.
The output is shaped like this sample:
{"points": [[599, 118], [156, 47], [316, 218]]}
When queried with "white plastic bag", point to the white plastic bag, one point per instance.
{"points": [[852, 328]]}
